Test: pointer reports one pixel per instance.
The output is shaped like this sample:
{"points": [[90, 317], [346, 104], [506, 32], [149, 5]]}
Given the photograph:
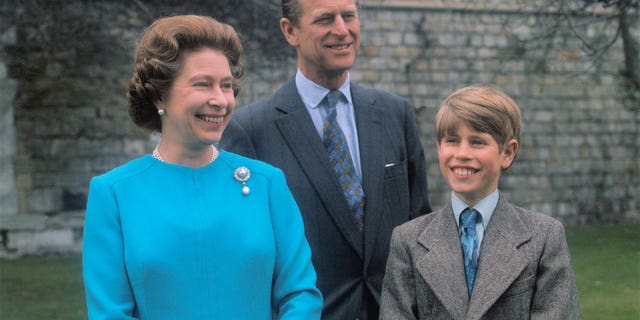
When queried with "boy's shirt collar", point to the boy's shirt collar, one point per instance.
{"points": [[485, 207]]}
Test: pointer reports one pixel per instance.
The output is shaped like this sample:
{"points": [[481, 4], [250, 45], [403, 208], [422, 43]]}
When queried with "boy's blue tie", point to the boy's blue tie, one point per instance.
{"points": [[336, 144], [469, 241]]}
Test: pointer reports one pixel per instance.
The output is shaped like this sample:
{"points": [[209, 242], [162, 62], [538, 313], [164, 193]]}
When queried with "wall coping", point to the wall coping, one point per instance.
{"points": [[504, 8]]}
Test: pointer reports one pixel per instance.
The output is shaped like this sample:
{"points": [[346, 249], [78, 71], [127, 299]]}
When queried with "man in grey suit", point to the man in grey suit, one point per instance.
{"points": [[349, 238], [479, 257]]}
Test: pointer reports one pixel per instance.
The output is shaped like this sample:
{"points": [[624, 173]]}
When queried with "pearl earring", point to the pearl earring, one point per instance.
{"points": [[161, 112]]}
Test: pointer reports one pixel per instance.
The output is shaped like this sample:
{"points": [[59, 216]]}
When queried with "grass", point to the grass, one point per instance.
{"points": [[606, 260], [42, 288]]}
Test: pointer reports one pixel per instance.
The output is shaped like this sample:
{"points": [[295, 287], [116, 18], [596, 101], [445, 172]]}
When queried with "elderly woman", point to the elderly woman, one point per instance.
{"points": [[191, 231]]}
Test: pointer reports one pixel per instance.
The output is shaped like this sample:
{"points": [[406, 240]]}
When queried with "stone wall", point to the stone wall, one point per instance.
{"points": [[579, 155], [8, 203], [66, 68]]}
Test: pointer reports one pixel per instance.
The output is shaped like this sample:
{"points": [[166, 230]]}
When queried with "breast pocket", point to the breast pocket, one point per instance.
{"points": [[515, 303], [395, 169], [521, 286], [396, 191]]}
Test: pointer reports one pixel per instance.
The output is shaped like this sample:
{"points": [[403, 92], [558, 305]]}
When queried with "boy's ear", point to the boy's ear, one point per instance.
{"points": [[509, 151], [288, 30], [438, 145]]}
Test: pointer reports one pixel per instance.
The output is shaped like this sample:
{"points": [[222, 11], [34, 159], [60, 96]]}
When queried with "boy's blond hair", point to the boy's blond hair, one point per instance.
{"points": [[483, 109]]}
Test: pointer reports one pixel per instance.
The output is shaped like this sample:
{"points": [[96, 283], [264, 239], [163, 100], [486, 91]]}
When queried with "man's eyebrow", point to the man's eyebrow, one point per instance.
{"points": [[322, 15]]}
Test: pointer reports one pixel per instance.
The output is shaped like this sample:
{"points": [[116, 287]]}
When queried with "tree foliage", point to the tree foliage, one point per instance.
{"points": [[625, 14], [597, 24], [257, 21]]}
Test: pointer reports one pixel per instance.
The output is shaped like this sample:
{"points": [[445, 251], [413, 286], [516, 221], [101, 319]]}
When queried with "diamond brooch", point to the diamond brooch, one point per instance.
{"points": [[242, 175]]}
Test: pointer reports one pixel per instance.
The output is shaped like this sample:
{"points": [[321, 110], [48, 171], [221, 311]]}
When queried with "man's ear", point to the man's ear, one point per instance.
{"points": [[289, 32], [509, 151]]}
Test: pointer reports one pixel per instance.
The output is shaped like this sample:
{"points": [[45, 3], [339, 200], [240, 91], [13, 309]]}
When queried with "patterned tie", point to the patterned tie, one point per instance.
{"points": [[340, 157], [469, 242]]}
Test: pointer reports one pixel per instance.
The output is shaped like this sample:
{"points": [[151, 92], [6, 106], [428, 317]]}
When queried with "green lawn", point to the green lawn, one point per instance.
{"points": [[42, 288], [606, 261]]}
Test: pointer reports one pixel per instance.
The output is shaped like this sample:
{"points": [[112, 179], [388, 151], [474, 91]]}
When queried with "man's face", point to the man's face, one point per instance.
{"points": [[327, 37]]}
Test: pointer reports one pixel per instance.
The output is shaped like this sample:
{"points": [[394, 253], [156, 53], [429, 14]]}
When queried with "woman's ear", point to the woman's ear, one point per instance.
{"points": [[159, 104], [509, 153]]}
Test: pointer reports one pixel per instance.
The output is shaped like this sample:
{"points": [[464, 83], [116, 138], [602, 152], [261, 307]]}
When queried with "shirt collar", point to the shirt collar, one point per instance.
{"points": [[485, 207], [312, 93]]}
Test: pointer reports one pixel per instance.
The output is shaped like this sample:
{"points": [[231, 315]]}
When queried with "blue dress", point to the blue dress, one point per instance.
{"points": [[165, 241]]}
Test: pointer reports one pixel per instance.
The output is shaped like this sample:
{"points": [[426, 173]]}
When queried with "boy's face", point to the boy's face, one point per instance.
{"points": [[471, 162]]}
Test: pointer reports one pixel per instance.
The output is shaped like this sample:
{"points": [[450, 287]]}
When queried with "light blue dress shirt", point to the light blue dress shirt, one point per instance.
{"points": [[485, 207], [312, 95]]}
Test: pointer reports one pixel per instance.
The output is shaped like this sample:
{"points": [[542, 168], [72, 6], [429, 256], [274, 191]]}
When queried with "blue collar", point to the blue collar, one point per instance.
{"points": [[485, 207]]}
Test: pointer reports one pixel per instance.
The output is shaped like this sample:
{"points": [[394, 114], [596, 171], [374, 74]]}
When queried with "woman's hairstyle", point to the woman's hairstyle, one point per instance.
{"points": [[483, 109], [160, 53]]}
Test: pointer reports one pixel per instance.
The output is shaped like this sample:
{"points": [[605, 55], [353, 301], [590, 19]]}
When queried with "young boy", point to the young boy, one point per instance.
{"points": [[479, 257]]}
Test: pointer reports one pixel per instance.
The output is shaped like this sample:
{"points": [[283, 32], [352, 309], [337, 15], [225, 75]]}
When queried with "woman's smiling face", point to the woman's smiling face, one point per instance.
{"points": [[200, 100]]}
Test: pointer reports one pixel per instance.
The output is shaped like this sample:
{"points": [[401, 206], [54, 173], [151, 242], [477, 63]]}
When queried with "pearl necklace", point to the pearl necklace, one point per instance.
{"points": [[214, 154]]}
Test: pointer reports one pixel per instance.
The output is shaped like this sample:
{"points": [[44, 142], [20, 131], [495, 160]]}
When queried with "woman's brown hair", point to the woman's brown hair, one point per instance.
{"points": [[159, 55]]}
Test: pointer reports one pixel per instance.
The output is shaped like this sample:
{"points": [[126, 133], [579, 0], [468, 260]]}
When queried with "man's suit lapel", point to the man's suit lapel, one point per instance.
{"points": [[370, 131], [441, 266], [501, 262], [298, 131]]}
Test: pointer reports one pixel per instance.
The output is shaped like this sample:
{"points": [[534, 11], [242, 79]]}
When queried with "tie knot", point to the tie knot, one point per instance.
{"points": [[468, 218], [332, 98]]}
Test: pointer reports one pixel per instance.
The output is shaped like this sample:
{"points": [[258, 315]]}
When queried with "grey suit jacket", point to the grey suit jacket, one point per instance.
{"points": [[350, 265], [524, 269]]}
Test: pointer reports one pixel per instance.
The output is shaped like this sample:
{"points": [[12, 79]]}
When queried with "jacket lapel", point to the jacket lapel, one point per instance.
{"points": [[442, 266], [298, 131], [502, 262], [369, 126]]}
